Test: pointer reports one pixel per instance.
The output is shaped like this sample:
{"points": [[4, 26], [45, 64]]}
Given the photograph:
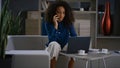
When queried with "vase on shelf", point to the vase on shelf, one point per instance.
{"points": [[106, 20]]}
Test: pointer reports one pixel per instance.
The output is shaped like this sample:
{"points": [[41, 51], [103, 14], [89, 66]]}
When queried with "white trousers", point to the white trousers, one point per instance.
{"points": [[54, 49]]}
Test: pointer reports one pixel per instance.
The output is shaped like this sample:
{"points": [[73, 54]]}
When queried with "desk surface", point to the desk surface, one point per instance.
{"points": [[91, 56]]}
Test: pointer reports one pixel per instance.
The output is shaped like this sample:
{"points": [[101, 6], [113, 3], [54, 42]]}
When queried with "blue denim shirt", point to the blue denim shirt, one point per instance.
{"points": [[61, 35]]}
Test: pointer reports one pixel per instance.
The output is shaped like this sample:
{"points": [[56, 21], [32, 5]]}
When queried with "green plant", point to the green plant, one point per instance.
{"points": [[15, 25], [9, 24], [5, 18]]}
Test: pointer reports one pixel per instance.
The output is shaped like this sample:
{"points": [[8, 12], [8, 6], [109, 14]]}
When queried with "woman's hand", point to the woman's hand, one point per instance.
{"points": [[55, 20]]}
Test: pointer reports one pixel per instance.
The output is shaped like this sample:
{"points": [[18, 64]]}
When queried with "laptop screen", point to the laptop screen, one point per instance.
{"points": [[78, 43]]}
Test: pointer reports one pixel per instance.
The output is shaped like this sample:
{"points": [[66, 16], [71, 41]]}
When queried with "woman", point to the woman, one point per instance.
{"points": [[59, 26]]}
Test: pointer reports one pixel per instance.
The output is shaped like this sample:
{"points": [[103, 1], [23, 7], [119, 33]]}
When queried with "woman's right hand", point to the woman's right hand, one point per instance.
{"points": [[55, 20]]}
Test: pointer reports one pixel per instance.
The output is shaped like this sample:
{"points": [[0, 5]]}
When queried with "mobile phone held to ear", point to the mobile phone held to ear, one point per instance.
{"points": [[57, 18]]}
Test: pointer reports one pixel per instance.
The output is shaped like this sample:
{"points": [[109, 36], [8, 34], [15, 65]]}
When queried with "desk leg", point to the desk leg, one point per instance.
{"points": [[90, 64], [105, 66], [86, 64]]}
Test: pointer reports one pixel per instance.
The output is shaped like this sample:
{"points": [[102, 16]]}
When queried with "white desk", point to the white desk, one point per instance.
{"points": [[90, 57]]}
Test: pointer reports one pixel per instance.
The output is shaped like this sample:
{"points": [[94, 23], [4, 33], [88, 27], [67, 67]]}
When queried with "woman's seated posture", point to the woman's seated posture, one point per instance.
{"points": [[59, 25]]}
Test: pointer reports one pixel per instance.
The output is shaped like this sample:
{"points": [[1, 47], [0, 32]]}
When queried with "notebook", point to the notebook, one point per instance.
{"points": [[78, 43]]}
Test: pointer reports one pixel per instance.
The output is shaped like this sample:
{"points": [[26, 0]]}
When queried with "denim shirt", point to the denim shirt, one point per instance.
{"points": [[61, 35]]}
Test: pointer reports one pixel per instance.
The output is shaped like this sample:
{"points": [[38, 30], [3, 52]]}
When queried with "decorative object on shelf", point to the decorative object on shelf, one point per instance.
{"points": [[106, 20]]}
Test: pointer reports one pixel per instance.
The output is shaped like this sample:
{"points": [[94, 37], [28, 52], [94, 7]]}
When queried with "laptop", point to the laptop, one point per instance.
{"points": [[78, 43]]}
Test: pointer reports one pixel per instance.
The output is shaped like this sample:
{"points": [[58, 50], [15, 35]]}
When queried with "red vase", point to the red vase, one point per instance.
{"points": [[106, 20]]}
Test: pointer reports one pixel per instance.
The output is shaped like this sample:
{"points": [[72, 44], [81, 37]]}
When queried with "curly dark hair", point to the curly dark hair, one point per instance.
{"points": [[51, 11]]}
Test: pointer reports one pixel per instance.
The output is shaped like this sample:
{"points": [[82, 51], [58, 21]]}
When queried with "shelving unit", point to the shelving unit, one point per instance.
{"points": [[86, 19], [111, 42]]}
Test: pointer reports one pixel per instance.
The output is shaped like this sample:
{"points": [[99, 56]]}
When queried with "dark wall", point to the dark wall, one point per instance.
{"points": [[22, 6], [101, 3], [117, 18]]}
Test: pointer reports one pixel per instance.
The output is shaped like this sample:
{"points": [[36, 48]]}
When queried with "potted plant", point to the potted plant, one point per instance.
{"points": [[5, 19], [9, 25]]}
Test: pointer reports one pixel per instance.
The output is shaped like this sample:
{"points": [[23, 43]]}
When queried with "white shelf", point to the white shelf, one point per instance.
{"points": [[109, 37], [78, 0], [85, 12], [81, 12]]}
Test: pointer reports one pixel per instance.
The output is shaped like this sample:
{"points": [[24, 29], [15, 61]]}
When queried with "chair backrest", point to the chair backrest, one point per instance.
{"points": [[26, 42]]}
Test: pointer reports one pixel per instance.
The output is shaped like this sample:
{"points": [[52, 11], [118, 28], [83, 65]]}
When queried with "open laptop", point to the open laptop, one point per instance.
{"points": [[78, 43]]}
